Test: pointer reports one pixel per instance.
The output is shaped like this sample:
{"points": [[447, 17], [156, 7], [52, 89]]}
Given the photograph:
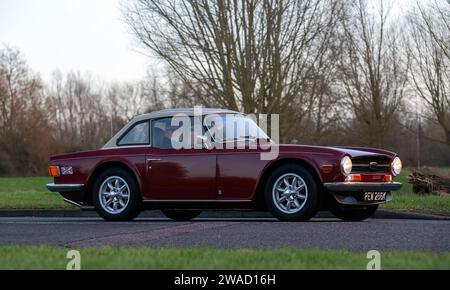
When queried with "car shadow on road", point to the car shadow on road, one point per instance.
{"points": [[235, 220]]}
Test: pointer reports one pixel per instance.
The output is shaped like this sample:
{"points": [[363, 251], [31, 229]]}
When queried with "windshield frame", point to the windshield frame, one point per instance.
{"points": [[225, 141]]}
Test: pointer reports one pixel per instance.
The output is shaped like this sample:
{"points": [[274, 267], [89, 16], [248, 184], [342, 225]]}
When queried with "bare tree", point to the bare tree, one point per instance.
{"points": [[428, 45], [238, 50], [18, 87], [435, 19], [79, 111], [257, 56], [153, 92], [373, 71], [128, 99], [24, 127]]}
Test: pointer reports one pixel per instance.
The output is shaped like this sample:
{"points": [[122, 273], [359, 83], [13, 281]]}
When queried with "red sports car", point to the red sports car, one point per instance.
{"points": [[218, 167]]}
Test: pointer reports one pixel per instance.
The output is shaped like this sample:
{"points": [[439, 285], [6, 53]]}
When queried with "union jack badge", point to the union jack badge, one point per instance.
{"points": [[67, 170]]}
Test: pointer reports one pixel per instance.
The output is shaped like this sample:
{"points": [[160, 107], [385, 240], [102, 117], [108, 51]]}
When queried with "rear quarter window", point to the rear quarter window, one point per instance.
{"points": [[139, 134]]}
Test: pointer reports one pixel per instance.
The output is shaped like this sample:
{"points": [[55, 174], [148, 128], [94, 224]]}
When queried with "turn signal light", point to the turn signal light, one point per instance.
{"points": [[328, 168], [53, 171], [354, 178], [387, 178]]}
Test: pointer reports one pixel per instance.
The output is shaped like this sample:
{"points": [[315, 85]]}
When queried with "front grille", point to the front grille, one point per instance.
{"points": [[371, 164]]}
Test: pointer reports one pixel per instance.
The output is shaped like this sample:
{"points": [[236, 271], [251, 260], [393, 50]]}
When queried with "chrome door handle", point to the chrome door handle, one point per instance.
{"points": [[150, 160]]}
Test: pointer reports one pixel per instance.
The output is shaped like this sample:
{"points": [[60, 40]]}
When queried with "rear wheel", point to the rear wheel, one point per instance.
{"points": [[353, 213], [291, 193], [181, 215], [116, 195]]}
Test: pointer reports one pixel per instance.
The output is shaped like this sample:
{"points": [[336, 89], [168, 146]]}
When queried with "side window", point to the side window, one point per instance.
{"points": [[165, 135], [137, 135]]}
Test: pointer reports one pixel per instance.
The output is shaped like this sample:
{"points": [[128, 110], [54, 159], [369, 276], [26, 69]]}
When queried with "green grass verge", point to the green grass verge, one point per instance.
{"points": [[29, 193], [405, 200], [202, 259]]}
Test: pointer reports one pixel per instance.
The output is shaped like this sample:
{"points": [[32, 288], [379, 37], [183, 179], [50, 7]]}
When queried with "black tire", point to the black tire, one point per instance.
{"points": [[353, 213], [311, 203], [132, 209], [181, 215]]}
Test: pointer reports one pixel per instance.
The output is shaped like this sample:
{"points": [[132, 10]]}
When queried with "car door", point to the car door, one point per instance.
{"points": [[239, 162], [238, 171], [178, 174]]}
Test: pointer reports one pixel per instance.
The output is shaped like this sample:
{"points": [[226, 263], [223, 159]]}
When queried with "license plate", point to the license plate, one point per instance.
{"points": [[375, 196]]}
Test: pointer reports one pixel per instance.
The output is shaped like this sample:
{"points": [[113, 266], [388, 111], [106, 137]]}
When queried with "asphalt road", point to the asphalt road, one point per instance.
{"points": [[373, 234]]}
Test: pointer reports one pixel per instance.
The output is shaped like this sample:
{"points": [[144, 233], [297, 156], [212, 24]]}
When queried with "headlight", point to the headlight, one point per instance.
{"points": [[396, 166], [346, 165]]}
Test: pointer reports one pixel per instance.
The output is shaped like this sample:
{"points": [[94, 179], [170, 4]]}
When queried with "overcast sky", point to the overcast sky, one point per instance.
{"points": [[84, 35]]}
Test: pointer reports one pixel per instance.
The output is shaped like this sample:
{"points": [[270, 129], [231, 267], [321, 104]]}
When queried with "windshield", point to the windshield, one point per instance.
{"points": [[231, 127]]}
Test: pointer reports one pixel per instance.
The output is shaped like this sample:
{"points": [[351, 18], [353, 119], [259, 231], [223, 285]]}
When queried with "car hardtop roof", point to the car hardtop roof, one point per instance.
{"points": [[112, 143], [189, 112]]}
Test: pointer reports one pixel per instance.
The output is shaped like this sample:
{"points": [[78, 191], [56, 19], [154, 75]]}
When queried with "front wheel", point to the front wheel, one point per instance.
{"points": [[354, 213], [181, 215], [291, 193], [116, 195]]}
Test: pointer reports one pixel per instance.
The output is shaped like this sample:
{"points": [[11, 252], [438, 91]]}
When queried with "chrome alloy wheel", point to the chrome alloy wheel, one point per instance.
{"points": [[114, 195], [290, 193]]}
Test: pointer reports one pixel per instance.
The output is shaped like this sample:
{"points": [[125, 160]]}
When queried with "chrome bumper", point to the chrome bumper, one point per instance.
{"points": [[65, 187], [362, 186]]}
